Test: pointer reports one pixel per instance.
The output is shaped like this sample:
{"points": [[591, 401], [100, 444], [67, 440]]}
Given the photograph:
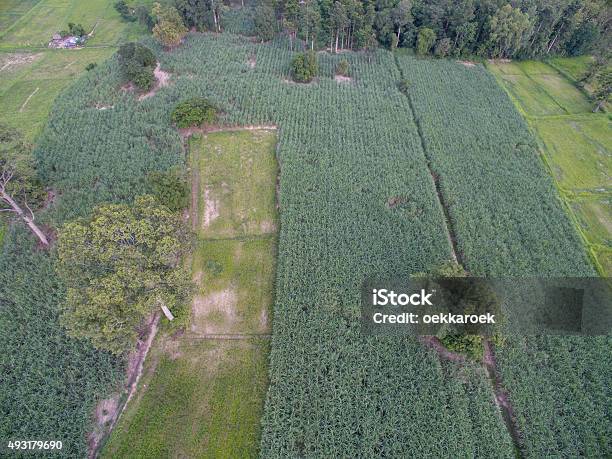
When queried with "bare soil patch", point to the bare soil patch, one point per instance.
{"points": [[467, 63], [162, 80], [12, 60], [220, 305], [267, 226], [211, 208], [263, 320], [395, 201], [28, 99], [342, 79]]}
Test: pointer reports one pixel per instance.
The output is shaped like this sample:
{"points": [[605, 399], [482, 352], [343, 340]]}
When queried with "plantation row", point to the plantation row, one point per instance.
{"points": [[345, 150], [50, 382], [508, 221]]}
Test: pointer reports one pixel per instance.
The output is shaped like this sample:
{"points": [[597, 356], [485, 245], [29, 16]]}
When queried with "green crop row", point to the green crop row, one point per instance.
{"points": [[347, 149], [509, 221]]}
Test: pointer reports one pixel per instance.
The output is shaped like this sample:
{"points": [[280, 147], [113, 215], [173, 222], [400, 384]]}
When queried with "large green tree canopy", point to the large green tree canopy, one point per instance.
{"points": [[120, 266]]}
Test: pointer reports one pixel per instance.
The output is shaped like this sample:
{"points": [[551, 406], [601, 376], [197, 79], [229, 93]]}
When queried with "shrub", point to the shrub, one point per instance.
{"points": [[425, 40], [404, 86], [442, 47], [91, 66], [76, 29], [144, 17], [170, 188], [194, 112], [125, 11], [137, 63], [304, 67], [342, 68]]}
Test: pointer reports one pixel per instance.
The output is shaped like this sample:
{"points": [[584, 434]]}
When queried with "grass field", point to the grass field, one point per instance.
{"points": [[575, 142], [31, 75], [31, 24], [202, 393]]}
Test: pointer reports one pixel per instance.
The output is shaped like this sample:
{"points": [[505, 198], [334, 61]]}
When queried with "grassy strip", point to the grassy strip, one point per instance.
{"points": [[202, 392]]}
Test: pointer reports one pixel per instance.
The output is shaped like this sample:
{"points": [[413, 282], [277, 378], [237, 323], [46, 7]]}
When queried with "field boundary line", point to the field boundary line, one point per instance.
{"points": [[28, 99], [448, 224], [227, 336]]}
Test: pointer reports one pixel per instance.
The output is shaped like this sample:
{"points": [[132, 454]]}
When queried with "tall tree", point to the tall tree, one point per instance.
{"points": [[19, 187], [505, 31], [120, 266], [603, 88], [425, 40], [169, 29]]}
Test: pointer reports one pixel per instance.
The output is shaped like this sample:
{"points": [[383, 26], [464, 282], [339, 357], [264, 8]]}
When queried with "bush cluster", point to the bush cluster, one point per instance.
{"points": [[194, 112], [125, 11], [342, 68], [137, 63], [304, 67], [170, 188]]}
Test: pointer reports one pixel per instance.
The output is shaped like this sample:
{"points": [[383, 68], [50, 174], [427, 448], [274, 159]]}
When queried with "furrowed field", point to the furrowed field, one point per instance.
{"points": [[348, 151], [508, 221], [344, 150]]}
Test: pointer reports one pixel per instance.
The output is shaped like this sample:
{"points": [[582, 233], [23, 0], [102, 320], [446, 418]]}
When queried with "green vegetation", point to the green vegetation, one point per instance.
{"points": [[20, 189], [125, 11], [229, 207], [121, 266], [169, 28], [203, 398], [50, 383], [345, 151], [575, 142], [343, 68], [491, 177], [304, 67], [425, 40], [30, 82], [137, 64], [215, 386], [478, 27], [540, 90], [170, 188], [575, 147], [194, 112], [33, 23]]}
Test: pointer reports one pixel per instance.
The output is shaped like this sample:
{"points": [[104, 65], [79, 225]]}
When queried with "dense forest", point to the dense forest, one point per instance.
{"points": [[488, 28]]}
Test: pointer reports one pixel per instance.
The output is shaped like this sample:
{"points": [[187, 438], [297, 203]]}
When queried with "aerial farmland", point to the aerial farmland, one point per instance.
{"points": [[195, 196]]}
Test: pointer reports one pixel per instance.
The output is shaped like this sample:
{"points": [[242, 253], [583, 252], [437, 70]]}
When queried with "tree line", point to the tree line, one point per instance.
{"points": [[488, 28]]}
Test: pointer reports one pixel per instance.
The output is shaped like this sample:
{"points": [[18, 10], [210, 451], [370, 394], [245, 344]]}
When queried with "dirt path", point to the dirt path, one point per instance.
{"points": [[109, 411], [502, 400], [434, 343], [28, 99], [501, 397], [161, 79]]}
